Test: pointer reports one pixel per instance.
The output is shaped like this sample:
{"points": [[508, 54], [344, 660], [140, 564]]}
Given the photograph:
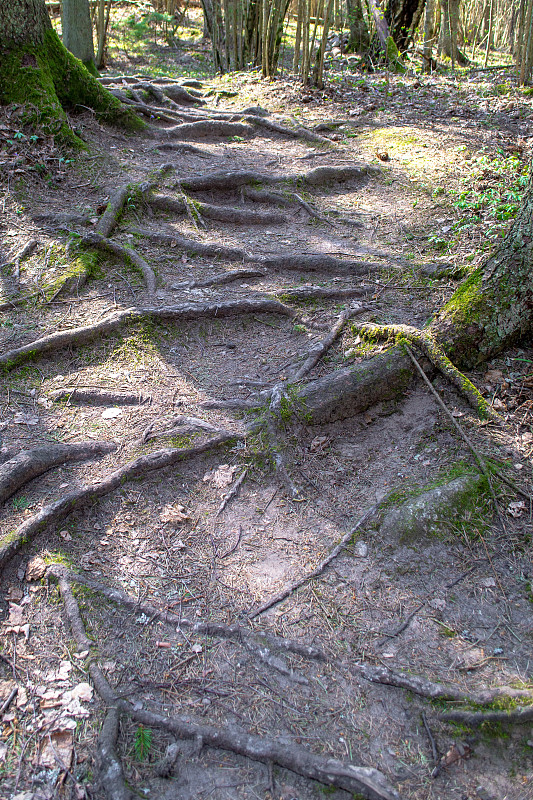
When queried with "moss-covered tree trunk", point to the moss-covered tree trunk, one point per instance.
{"points": [[493, 307], [38, 72]]}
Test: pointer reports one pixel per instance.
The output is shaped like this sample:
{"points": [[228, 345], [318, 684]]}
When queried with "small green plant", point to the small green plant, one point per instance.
{"points": [[20, 503], [299, 328], [143, 743]]}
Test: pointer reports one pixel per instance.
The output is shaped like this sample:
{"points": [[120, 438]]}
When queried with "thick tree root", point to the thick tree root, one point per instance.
{"points": [[319, 176], [350, 391], [291, 133], [29, 464], [321, 292], [221, 278], [426, 342], [440, 691], [127, 254], [172, 91], [114, 322], [297, 263], [59, 510], [182, 147], [179, 427], [369, 782], [238, 216], [98, 397], [111, 215], [110, 775], [516, 716], [207, 129]]}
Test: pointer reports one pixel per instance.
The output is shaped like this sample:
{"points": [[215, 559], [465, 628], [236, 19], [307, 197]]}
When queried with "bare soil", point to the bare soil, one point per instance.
{"points": [[159, 537]]}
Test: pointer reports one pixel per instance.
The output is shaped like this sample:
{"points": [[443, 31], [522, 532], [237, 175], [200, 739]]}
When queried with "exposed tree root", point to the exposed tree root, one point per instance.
{"points": [[440, 691], [148, 111], [29, 464], [316, 353], [239, 216], [278, 598], [182, 147], [23, 253], [474, 718], [292, 133], [426, 342], [98, 397], [218, 630], [114, 322], [319, 176], [113, 210], [221, 278], [179, 426], [110, 775], [297, 263], [57, 511], [330, 771], [207, 129], [231, 494], [319, 292], [127, 254], [352, 390]]}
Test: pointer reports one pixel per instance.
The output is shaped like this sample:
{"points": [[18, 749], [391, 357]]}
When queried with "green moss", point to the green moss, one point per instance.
{"points": [[48, 80], [465, 303]]}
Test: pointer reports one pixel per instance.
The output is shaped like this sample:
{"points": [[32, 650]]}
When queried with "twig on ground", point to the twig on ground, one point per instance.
{"points": [[231, 494], [9, 699], [320, 568]]}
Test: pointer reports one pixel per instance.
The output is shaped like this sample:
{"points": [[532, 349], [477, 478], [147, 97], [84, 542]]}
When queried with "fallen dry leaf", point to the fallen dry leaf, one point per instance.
{"points": [[36, 569], [222, 475], [174, 515], [57, 750]]}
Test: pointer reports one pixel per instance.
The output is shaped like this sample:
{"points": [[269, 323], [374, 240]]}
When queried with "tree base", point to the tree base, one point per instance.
{"points": [[47, 80]]}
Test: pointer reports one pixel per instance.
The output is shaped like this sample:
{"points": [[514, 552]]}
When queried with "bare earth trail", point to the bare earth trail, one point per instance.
{"points": [[229, 275]]}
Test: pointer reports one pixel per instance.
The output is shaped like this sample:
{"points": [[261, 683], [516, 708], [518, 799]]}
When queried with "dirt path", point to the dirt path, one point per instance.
{"points": [[184, 337]]}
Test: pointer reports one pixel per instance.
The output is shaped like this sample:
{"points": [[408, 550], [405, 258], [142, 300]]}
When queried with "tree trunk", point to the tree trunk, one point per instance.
{"points": [[359, 40], [449, 31], [403, 17], [492, 308], [78, 31], [38, 71]]}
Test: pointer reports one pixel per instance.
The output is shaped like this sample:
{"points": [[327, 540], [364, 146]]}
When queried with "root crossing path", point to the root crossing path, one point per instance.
{"points": [[203, 441]]}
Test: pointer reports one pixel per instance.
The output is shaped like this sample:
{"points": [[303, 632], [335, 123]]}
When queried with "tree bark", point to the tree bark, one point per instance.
{"points": [[449, 31], [492, 309], [36, 70], [78, 31], [359, 40], [403, 17]]}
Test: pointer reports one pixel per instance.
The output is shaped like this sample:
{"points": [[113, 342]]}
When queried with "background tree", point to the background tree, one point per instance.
{"points": [[449, 32], [403, 17], [77, 31], [36, 69]]}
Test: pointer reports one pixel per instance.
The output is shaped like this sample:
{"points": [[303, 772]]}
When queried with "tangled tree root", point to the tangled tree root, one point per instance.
{"points": [[114, 322], [319, 176], [239, 216], [426, 342], [29, 464], [57, 511], [330, 771], [207, 129], [98, 397], [297, 263]]}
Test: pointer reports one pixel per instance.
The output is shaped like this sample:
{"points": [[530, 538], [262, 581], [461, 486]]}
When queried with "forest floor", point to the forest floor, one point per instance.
{"points": [[448, 162]]}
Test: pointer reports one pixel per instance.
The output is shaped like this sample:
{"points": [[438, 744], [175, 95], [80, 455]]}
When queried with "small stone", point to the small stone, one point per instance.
{"points": [[361, 549]]}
